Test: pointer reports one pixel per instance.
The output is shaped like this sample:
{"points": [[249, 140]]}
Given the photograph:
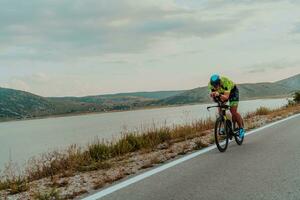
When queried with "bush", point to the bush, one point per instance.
{"points": [[99, 151], [262, 111], [15, 185], [297, 97]]}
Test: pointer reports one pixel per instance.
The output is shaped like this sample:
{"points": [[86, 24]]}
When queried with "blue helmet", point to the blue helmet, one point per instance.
{"points": [[215, 80]]}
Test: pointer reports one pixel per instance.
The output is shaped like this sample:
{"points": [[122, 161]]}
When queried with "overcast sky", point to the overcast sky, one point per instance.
{"points": [[86, 47]]}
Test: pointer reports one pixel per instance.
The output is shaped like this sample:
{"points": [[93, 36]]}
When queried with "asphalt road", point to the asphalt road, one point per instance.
{"points": [[266, 166]]}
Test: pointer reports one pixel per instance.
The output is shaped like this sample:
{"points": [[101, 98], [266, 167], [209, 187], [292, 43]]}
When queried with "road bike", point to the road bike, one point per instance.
{"points": [[225, 129]]}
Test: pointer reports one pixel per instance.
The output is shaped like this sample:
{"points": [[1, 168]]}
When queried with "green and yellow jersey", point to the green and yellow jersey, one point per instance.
{"points": [[226, 85]]}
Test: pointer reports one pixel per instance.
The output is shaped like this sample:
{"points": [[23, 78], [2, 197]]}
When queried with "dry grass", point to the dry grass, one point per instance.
{"points": [[14, 185], [52, 194], [262, 111], [99, 154], [12, 181]]}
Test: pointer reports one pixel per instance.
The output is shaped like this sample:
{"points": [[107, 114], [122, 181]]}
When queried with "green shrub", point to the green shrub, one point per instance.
{"points": [[297, 97], [3, 185], [121, 147], [164, 134], [16, 185], [134, 141], [99, 151]]}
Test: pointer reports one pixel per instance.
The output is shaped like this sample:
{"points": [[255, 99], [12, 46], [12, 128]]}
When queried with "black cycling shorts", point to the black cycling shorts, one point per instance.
{"points": [[234, 97]]}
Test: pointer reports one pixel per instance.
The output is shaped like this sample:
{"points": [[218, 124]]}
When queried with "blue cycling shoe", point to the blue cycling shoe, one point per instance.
{"points": [[242, 132], [222, 131]]}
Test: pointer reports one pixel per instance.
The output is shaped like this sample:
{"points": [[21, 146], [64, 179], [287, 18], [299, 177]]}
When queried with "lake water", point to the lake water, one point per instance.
{"points": [[20, 140]]}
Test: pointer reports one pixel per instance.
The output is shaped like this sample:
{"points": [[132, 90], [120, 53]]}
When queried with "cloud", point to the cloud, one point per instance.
{"points": [[17, 84], [296, 28], [53, 85], [26, 82], [96, 46], [273, 65], [257, 70], [64, 29], [230, 3]]}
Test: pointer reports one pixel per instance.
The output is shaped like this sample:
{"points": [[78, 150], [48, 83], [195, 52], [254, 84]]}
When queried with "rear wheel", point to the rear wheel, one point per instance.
{"points": [[239, 140], [221, 135]]}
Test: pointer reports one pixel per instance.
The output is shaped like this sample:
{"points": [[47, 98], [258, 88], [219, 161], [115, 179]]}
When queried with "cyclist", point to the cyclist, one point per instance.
{"points": [[227, 90]]}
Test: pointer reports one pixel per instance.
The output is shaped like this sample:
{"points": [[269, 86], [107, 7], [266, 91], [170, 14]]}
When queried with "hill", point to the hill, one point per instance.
{"points": [[121, 98], [148, 95], [247, 91], [292, 83], [16, 104]]}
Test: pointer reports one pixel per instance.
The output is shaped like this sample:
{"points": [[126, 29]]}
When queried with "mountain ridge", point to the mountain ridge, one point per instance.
{"points": [[17, 104]]}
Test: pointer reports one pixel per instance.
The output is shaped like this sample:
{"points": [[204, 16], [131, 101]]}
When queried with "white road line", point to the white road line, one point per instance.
{"points": [[140, 177]]}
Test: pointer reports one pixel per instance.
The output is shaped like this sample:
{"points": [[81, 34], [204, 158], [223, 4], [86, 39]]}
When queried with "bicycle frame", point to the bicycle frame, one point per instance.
{"points": [[229, 126], [223, 115]]}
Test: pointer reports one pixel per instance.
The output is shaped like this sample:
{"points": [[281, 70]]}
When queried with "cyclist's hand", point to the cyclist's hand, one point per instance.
{"points": [[214, 94], [223, 98]]}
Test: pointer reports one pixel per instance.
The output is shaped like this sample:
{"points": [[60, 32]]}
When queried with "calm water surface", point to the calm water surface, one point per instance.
{"points": [[20, 140]]}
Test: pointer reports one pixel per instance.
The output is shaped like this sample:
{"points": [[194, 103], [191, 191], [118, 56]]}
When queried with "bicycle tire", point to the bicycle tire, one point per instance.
{"points": [[221, 147]]}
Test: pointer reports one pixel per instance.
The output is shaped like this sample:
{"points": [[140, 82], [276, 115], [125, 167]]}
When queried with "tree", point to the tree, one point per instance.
{"points": [[297, 97]]}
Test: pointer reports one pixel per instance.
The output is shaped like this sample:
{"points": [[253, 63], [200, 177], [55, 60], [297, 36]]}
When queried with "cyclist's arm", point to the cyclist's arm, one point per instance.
{"points": [[212, 92], [225, 96], [228, 85]]}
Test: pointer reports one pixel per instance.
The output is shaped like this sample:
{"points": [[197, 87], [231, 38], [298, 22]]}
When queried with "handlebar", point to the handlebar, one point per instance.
{"points": [[220, 104], [218, 99]]}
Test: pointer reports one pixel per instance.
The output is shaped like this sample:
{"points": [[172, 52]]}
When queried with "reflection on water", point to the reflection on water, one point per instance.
{"points": [[23, 139]]}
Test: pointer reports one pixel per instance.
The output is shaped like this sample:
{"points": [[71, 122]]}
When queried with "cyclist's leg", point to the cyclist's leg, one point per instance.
{"points": [[234, 101], [236, 117]]}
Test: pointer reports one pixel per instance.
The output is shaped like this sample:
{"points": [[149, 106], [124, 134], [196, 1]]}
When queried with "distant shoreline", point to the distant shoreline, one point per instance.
{"points": [[135, 109]]}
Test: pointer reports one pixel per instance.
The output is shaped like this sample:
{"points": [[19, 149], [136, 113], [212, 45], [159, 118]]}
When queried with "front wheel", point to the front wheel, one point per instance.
{"points": [[221, 135]]}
